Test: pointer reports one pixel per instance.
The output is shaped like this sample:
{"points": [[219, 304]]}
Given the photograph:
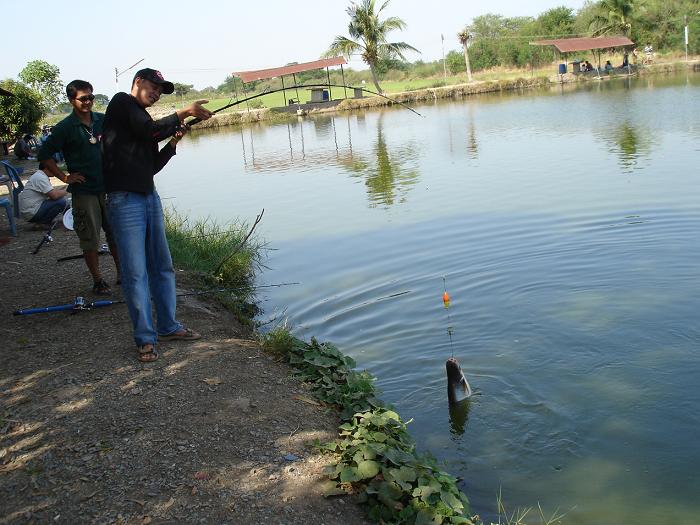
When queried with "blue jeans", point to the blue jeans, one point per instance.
{"points": [[146, 267], [48, 210]]}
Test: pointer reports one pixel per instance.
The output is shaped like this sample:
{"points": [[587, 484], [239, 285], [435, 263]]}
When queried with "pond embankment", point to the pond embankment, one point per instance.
{"points": [[432, 94]]}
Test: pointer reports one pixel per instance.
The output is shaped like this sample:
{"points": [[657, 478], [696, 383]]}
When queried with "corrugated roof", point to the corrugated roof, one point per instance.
{"points": [[262, 74], [6, 93], [567, 45]]}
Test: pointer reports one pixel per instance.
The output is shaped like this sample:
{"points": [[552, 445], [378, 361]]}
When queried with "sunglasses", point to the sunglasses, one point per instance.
{"points": [[86, 98]]}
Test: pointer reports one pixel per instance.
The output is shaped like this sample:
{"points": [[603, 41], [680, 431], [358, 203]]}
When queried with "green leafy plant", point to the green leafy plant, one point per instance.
{"points": [[375, 455]]}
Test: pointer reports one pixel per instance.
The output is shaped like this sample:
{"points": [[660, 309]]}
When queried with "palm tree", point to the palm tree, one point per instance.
{"points": [[613, 17], [368, 36], [464, 35]]}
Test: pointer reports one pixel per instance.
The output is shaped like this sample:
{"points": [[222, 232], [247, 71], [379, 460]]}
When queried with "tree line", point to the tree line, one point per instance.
{"points": [[489, 41]]}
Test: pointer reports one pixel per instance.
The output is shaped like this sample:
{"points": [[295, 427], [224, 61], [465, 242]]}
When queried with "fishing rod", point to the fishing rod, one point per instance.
{"points": [[104, 250], [81, 305], [76, 306], [394, 101], [47, 236]]}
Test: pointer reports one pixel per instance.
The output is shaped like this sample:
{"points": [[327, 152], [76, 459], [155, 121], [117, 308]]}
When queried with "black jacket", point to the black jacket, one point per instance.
{"points": [[130, 156]]}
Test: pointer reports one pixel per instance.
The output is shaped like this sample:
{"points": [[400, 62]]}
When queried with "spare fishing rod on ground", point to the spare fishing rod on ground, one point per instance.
{"points": [[194, 121], [104, 250], [80, 304]]}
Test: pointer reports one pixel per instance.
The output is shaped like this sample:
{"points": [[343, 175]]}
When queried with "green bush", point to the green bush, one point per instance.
{"points": [[21, 113]]}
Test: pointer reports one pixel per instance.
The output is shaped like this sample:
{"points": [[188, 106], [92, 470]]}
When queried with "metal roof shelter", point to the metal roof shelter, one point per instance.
{"points": [[293, 69], [571, 45], [568, 45]]}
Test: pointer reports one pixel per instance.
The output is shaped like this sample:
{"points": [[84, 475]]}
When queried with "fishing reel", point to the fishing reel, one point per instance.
{"points": [[80, 304]]}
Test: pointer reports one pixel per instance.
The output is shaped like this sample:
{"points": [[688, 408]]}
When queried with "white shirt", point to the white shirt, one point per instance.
{"points": [[34, 193]]}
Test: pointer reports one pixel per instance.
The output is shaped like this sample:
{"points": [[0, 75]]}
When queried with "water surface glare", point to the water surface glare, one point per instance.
{"points": [[566, 222]]}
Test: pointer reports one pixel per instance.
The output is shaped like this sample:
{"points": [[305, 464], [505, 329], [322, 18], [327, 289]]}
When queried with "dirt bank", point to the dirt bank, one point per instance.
{"points": [[213, 432]]}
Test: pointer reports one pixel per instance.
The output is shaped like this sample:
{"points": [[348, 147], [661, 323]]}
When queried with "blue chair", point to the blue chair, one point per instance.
{"points": [[15, 183], [7, 204]]}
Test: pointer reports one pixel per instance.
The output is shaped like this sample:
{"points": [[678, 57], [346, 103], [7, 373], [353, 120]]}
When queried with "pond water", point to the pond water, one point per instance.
{"points": [[566, 223]]}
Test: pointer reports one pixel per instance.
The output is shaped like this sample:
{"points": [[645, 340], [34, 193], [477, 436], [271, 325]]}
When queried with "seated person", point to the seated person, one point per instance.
{"points": [[608, 66], [22, 148], [40, 202]]}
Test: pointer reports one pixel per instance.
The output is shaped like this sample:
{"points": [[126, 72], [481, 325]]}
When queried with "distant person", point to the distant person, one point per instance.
{"points": [[625, 60], [44, 135], [635, 56], [23, 150], [648, 54], [608, 66], [131, 160], [78, 136], [40, 202]]}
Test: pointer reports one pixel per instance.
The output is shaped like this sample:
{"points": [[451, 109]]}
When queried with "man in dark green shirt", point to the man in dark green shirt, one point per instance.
{"points": [[79, 136]]}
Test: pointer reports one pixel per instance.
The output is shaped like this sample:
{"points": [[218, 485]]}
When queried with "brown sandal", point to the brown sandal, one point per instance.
{"points": [[183, 334], [147, 353]]}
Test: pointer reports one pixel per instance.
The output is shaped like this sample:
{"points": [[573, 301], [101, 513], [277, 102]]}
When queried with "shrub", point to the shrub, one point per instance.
{"points": [[20, 113]]}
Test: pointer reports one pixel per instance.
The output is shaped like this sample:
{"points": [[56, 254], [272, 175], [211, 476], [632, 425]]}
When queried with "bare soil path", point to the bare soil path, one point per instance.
{"points": [[215, 431]]}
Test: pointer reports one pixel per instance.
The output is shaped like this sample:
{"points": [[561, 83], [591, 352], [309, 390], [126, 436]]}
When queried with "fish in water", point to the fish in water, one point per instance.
{"points": [[458, 388]]}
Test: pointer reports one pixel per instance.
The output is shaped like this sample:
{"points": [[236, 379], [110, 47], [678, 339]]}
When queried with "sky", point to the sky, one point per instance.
{"points": [[202, 42]]}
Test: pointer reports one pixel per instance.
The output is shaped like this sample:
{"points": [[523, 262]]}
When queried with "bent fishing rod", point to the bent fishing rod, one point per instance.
{"points": [[268, 92], [81, 305]]}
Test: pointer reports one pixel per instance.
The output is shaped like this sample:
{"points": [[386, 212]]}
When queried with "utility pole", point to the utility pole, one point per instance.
{"points": [[685, 20], [444, 66]]}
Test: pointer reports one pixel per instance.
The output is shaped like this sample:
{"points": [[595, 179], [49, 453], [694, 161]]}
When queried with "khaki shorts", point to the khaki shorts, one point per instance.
{"points": [[89, 217]]}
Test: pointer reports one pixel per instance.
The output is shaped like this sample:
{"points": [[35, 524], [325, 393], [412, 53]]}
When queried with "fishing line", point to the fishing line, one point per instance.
{"points": [[446, 303], [296, 86]]}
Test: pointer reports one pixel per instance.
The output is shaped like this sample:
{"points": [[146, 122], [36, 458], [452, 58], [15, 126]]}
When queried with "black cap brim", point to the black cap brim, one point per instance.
{"points": [[168, 87]]}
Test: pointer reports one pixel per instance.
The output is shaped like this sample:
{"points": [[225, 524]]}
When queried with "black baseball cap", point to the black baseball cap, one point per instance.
{"points": [[156, 77]]}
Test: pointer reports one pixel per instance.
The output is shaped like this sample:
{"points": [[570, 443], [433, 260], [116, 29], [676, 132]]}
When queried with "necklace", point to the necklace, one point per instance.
{"points": [[92, 139]]}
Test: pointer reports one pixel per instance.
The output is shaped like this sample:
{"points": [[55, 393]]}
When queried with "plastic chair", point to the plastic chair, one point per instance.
{"points": [[5, 203], [15, 183]]}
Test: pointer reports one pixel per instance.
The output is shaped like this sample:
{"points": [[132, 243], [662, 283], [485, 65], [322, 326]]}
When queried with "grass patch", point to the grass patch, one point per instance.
{"points": [[215, 255]]}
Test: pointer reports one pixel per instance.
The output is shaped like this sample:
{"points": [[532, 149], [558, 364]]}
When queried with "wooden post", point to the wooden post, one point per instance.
{"points": [[284, 93], [328, 76], [294, 75]]}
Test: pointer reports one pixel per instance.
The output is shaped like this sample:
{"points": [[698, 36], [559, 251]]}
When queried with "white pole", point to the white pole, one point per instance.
{"points": [[685, 19], [444, 66]]}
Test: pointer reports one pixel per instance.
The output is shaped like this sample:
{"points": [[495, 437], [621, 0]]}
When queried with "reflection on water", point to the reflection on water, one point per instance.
{"points": [[631, 143], [459, 415], [388, 174]]}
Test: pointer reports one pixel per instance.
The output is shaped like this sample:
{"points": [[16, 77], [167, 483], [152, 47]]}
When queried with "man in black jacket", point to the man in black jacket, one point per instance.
{"points": [[130, 159]]}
